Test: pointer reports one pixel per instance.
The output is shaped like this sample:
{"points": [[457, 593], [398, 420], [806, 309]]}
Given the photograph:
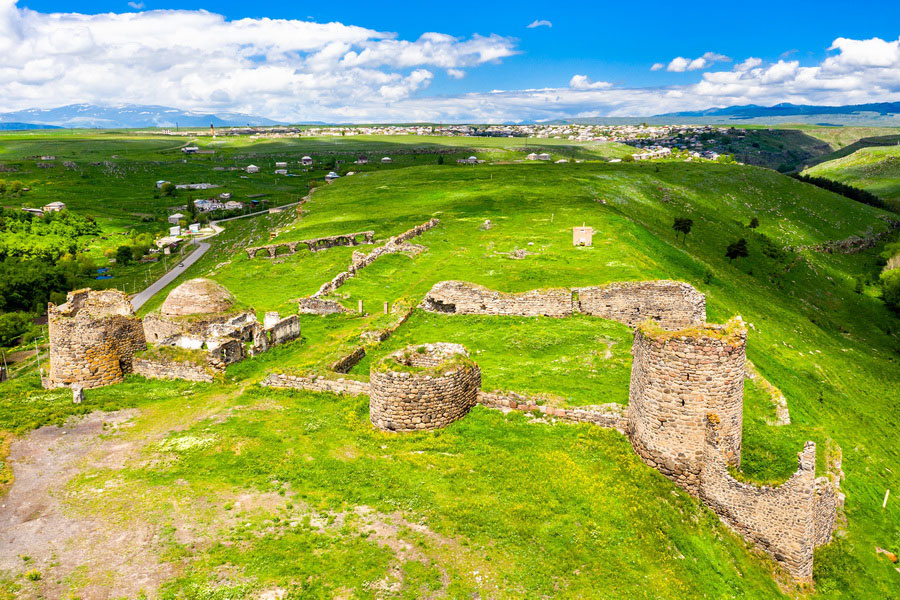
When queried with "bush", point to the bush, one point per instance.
{"points": [[124, 255], [890, 288], [12, 326]]}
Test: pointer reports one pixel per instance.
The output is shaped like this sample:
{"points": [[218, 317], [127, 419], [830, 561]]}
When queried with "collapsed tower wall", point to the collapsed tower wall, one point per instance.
{"points": [[677, 378], [93, 338]]}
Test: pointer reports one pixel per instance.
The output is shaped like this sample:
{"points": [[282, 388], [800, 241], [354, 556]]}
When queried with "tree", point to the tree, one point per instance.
{"points": [[123, 255], [736, 249], [890, 286], [682, 225], [168, 189], [440, 159], [754, 223]]}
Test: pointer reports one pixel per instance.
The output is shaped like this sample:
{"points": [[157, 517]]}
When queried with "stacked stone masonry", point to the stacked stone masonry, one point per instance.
{"points": [[676, 380], [317, 383], [157, 369], [788, 521], [313, 245], [361, 261], [672, 304], [93, 338], [441, 387]]}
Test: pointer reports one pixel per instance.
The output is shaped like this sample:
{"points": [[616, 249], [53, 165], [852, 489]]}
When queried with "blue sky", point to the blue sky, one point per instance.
{"points": [[597, 56]]}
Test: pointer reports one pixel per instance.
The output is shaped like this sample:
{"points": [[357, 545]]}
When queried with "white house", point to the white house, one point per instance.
{"points": [[386, 160], [194, 227], [54, 207], [281, 165], [174, 219], [225, 196], [281, 171], [306, 161], [190, 149], [233, 205], [175, 231], [362, 160], [252, 169], [531, 156], [543, 156], [331, 176], [561, 161]]}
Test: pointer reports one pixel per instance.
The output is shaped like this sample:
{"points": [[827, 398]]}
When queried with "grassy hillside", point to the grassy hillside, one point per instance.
{"points": [[502, 505], [875, 169]]}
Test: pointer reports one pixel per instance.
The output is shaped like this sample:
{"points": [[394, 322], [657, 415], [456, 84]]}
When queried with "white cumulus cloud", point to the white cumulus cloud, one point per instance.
{"points": [[680, 64], [582, 82]]}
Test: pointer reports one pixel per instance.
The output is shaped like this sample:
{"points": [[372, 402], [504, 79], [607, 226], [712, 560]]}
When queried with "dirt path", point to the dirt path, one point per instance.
{"points": [[38, 534]]}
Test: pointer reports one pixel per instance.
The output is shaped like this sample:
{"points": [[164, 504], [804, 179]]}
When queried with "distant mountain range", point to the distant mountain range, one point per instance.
{"points": [[786, 109], [127, 116], [21, 126]]}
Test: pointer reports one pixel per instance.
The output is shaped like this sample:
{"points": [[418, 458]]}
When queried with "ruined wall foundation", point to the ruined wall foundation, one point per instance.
{"points": [[671, 304]]}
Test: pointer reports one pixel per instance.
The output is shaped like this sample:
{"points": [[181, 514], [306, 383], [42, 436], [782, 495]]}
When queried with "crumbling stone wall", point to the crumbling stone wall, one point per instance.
{"points": [[93, 338], [318, 306], [314, 244], [677, 379], [284, 331], [610, 416], [157, 369], [415, 390], [672, 304], [782, 520], [317, 383], [361, 261], [458, 297]]}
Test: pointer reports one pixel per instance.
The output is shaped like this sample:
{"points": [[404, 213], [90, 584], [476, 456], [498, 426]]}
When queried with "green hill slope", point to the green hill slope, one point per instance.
{"points": [[875, 169], [500, 505]]}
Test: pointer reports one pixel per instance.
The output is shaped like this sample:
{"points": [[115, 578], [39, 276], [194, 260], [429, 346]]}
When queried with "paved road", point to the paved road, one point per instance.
{"points": [[202, 247], [141, 298]]}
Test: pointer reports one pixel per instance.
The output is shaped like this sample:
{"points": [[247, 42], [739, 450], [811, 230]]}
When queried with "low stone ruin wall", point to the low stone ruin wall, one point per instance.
{"points": [[317, 383], [155, 369], [457, 297], [318, 306], [672, 304], [394, 245], [314, 244], [345, 363], [786, 521], [610, 416], [284, 331], [429, 397]]}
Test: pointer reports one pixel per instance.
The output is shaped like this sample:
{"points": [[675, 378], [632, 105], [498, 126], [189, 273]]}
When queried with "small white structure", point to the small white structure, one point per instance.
{"points": [[169, 241], [225, 196], [306, 161], [615, 160], [194, 227], [331, 176], [543, 156], [281, 171], [175, 231], [174, 219], [362, 160], [582, 236], [252, 169], [190, 149], [386, 160], [34, 211], [234, 205], [561, 161], [281, 165], [531, 156], [54, 207], [161, 183]]}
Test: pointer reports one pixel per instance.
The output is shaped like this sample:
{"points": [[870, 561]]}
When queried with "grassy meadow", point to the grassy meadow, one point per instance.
{"points": [[875, 169], [252, 490]]}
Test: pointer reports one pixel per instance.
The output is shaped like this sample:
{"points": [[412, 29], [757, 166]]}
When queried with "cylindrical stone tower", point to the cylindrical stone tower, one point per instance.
{"points": [[423, 387], [677, 379]]}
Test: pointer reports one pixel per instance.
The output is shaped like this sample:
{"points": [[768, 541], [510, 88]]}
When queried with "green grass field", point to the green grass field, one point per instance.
{"points": [[874, 169], [503, 505]]}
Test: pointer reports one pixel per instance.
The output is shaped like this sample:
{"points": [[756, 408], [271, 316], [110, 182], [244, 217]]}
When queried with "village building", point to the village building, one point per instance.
{"points": [[531, 156], [225, 196], [281, 165], [174, 230], [582, 236], [331, 176], [161, 183], [362, 160], [281, 171], [54, 207], [190, 149], [386, 160], [543, 156], [234, 205], [306, 161], [252, 169], [175, 219]]}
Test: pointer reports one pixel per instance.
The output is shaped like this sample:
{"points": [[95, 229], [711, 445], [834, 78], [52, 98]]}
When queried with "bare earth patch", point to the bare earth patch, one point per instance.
{"points": [[72, 552]]}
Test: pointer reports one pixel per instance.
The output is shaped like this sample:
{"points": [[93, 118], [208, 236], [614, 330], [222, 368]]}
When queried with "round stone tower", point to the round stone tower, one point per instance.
{"points": [[677, 379], [423, 387], [93, 338]]}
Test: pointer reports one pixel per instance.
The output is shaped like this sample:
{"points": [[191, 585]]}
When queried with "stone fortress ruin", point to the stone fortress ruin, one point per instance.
{"points": [[93, 339], [685, 412], [423, 387]]}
